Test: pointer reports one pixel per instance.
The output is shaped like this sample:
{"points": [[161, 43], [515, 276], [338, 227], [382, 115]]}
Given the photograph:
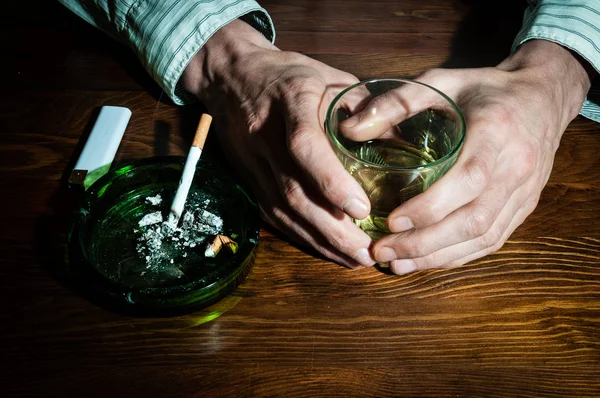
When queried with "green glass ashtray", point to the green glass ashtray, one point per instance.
{"points": [[123, 250]]}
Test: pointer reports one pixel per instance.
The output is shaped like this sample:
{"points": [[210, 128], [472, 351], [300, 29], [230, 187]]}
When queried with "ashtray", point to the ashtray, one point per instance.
{"points": [[121, 249]]}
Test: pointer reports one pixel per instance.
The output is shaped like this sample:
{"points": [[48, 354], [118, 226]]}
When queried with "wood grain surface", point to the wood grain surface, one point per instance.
{"points": [[523, 322]]}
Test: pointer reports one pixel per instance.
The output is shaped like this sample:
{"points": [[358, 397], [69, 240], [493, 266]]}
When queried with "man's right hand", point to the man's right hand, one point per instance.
{"points": [[269, 108]]}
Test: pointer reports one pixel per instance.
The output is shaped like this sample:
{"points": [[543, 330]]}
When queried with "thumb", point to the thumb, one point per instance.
{"points": [[391, 102]]}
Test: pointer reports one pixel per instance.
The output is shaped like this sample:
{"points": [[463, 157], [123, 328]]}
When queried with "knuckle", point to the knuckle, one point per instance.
{"points": [[430, 211], [492, 248], [490, 239], [293, 194], [476, 174], [478, 222], [378, 105], [300, 143], [297, 85], [528, 160], [339, 242], [411, 249], [278, 217], [532, 204], [299, 137], [255, 120], [504, 192], [329, 183], [501, 115], [456, 263], [496, 246], [433, 260]]}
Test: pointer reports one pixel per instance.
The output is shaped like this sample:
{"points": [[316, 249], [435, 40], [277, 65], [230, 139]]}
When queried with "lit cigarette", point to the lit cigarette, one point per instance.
{"points": [[189, 169]]}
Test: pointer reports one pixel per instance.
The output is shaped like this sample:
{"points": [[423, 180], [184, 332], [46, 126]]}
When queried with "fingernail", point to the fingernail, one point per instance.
{"points": [[355, 208], [404, 266], [364, 257], [400, 224], [350, 122], [385, 254]]}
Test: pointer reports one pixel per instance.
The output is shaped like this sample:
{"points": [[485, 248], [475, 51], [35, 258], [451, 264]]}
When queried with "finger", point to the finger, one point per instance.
{"points": [[466, 180], [469, 222], [277, 213], [513, 215], [331, 223], [345, 104], [313, 155], [258, 172], [382, 113], [300, 233], [337, 82], [351, 99], [518, 219]]}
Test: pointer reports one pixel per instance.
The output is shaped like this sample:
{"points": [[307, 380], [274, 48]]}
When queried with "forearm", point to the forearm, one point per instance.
{"points": [[574, 26], [166, 35]]}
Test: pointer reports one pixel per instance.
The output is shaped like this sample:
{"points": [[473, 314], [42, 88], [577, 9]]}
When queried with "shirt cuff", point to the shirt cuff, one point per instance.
{"points": [[574, 25], [166, 38]]}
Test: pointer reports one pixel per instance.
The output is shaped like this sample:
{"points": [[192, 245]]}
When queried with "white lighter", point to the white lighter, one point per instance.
{"points": [[101, 146]]}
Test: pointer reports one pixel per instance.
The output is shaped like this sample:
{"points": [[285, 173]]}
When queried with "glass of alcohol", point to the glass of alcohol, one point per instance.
{"points": [[396, 137]]}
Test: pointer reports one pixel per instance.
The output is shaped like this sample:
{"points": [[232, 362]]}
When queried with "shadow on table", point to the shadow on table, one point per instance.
{"points": [[485, 36], [52, 230], [74, 53]]}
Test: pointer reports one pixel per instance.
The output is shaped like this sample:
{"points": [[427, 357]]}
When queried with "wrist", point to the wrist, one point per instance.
{"points": [[559, 71], [215, 62]]}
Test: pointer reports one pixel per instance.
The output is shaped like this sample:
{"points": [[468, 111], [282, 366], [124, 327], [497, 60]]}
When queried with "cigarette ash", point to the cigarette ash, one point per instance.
{"points": [[162, 244], [154, 200]]}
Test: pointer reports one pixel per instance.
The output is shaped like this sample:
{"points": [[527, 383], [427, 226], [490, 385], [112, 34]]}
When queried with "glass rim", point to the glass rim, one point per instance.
{"points": [[328, 129]]}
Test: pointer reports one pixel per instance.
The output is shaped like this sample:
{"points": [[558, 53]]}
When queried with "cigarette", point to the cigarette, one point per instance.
{"points": [[189, 169]]}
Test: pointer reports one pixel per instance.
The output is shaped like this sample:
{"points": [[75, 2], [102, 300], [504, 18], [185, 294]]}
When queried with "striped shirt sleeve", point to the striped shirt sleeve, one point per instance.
{"points": [[166, 34], [574, 24]]}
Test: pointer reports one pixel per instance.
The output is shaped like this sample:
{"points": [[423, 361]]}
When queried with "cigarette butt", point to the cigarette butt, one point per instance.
{"points": [[202, 130], [217, 244]]}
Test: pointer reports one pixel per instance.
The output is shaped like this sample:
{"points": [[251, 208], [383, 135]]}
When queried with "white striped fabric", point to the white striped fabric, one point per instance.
{"points": [[166, 34], [574, 24]]}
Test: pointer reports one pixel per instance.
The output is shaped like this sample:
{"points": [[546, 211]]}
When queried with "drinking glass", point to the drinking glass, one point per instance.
{"points": [[396, 137]]}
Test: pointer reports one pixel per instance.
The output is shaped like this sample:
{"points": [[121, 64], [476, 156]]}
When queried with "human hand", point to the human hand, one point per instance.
{"points": [[269, 108], [515, 115]]}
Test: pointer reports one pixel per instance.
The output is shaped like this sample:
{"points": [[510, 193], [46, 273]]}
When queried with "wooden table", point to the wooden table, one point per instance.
{"points": [[522, 322]]}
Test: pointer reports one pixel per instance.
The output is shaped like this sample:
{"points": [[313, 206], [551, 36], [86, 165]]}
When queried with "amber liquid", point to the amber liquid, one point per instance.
{"points": [[387, 190]]}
